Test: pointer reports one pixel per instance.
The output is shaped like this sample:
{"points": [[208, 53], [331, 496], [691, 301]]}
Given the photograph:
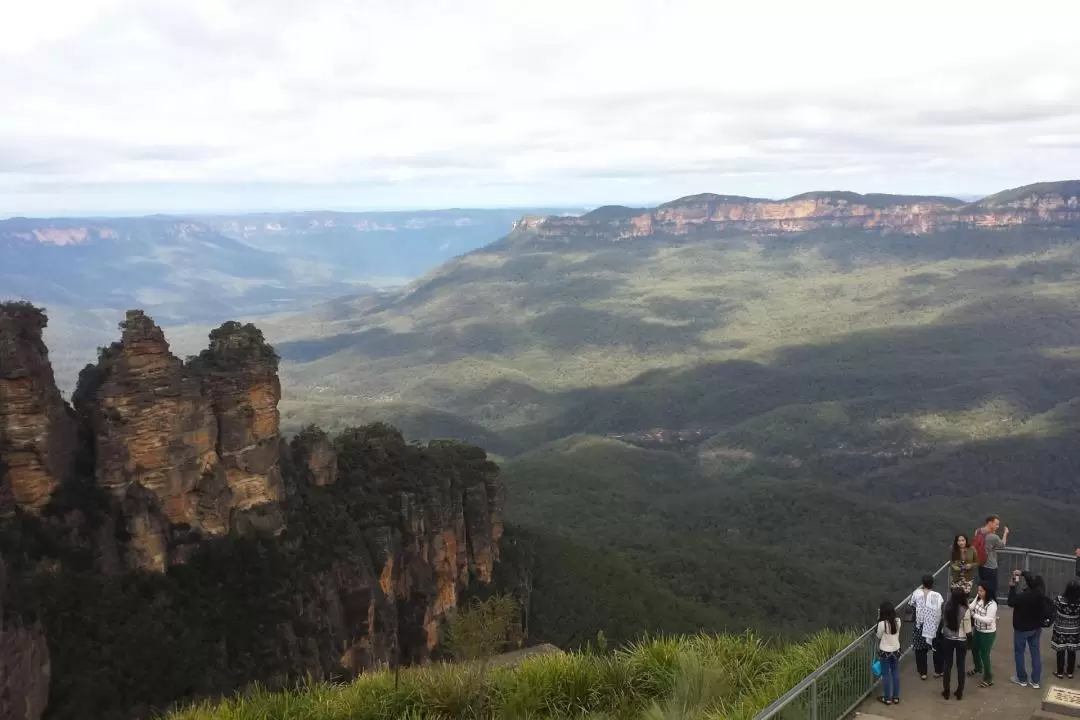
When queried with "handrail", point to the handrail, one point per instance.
{"points": [[810, 681], [1009, 550], [829, 664]]}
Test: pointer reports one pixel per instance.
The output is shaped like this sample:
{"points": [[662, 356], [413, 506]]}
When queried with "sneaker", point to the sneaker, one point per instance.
{"points": [[1037, 686], [1016, 681], [1059, 676]]}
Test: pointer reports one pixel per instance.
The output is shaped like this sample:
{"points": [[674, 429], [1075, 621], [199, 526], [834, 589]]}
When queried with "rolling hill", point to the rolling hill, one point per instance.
{"points": [[703, 389]]}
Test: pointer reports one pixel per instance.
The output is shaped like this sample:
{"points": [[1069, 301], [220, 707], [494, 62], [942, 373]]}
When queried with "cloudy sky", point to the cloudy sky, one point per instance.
{"points": [[160, 105]]}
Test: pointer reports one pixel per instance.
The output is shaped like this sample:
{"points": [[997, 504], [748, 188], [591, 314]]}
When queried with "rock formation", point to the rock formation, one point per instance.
{"points": [[187, 451], [37, 428], [1048, 204], [314, 557], [24, 666], [428, 540]]}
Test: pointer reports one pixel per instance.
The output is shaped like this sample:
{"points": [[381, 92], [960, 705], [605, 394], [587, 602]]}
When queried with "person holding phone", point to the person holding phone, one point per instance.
{"points": [[1029, 611], [963, 563]]}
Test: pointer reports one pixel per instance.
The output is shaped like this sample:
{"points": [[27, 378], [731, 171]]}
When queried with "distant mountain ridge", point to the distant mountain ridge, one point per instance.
{"points": [[1051, 203], [205, 267]]}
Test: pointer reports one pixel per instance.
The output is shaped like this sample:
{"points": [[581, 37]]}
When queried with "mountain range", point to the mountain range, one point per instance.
{"points": [[695, 393], [685, 399], [204, 269]]}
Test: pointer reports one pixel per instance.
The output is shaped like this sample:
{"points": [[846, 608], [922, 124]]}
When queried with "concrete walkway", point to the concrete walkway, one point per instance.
{"points": [[921, 699]]}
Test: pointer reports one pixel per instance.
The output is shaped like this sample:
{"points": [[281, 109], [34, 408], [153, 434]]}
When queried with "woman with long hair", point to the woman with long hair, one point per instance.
{"points": [[963, 562], [927, 603], [1030, 611], [984, 616], [955, 628], [1065, 638], [888, 653]]}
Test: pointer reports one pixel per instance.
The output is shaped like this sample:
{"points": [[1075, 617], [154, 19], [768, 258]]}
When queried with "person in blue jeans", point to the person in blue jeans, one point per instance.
{"points": [[1030, 608], [888, 654]]}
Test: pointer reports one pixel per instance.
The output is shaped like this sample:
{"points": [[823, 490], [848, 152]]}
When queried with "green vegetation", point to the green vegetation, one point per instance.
{"points": [[705, 677], [851, 400], [241, 610], [234, 345], [483, 628]]}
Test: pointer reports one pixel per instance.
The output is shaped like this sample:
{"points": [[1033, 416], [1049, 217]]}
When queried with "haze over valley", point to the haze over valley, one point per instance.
{"points": [[503, 360]]}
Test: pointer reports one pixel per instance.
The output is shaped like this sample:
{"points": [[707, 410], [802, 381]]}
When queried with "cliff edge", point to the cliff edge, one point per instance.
{"points": [[167, 506]]}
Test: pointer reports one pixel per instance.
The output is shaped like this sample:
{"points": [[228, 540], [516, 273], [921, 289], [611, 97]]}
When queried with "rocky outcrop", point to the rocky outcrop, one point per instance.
{"points": [[429, 539], [239, 372], [317, 557], [187, 451], [1049, 204], [24, 666], [37, 429]]}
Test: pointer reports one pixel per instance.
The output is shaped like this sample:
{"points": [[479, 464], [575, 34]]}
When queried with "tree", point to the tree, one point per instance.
{"points": [[483, 628]]}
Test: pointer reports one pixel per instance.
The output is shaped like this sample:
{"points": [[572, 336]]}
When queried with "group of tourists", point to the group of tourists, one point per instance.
{"points": [[967, 620]]}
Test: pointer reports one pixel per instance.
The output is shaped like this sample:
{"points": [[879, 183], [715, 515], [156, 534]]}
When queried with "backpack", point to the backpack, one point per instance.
{"points": [[979, 543]]}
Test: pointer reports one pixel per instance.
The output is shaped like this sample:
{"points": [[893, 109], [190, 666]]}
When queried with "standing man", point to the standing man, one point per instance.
{"points": [[987, 543]]}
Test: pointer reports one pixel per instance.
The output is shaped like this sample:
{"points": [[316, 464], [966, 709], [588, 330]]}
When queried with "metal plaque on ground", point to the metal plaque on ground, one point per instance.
{"points": [[1064, 701]]}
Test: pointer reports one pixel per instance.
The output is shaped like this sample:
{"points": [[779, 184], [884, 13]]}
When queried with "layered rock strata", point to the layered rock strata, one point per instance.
{"points": [[188, 451], [1048, 204], [37, 428]]}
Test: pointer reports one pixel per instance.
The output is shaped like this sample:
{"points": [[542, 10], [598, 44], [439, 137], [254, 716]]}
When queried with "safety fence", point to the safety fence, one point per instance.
{"points": [[836, 688]]}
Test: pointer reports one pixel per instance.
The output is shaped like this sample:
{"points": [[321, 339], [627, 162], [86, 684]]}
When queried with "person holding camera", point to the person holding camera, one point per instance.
{"points": [[987, 543], [1030, 612]]}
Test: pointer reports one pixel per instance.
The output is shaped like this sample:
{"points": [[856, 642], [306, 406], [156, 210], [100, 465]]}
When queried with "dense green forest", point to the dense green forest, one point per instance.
{"points": [[737, 427], [242, 610]]}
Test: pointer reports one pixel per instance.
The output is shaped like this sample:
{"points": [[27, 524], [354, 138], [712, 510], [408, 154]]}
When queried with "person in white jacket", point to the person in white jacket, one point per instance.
{"points": [[984, 612], [888, 653], [927, 603]]}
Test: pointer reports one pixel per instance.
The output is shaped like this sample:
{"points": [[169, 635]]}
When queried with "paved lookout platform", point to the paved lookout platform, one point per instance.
{"points": [[921, 699]]}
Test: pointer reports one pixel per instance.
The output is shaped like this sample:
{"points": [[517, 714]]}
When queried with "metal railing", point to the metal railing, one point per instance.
{"points": [[836, 688]]}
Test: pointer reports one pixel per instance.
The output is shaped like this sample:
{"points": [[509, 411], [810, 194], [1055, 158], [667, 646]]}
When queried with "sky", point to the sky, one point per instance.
{"points": [[126, 107]]}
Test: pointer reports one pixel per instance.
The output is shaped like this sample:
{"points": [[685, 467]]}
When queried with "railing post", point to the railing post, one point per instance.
{"points": [[1027, 561], [813, 700]]}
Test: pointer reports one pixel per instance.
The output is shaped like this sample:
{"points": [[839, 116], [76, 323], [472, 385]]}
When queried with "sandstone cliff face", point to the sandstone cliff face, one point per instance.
{"points": [[186, 452], [1050, 204], [24, 666], [315, 557], [37, 428], [428, 542]]}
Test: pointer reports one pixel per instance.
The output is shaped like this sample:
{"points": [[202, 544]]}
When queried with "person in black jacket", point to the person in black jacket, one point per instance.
{"points": [[1030, 608]]}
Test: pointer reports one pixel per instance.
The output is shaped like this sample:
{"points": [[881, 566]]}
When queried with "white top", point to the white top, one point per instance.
{"points": [[887, 641], [985, 615], [927, 610]]}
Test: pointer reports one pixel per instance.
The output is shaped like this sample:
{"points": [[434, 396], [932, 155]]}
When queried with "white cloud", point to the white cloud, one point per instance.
{"points": [[196, 102]]}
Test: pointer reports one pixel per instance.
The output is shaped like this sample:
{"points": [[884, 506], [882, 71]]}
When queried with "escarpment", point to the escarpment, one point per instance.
{"points": [[169, 509], [1041, 205]]}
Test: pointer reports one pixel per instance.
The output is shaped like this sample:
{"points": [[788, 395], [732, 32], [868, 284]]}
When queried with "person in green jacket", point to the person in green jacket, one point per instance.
{"points": [[964, 563]]}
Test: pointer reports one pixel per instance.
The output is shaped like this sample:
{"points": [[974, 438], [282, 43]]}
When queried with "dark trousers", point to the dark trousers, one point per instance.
{"points": [[920, 661], [955, 652], [989, 577], [1063, 657]]}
